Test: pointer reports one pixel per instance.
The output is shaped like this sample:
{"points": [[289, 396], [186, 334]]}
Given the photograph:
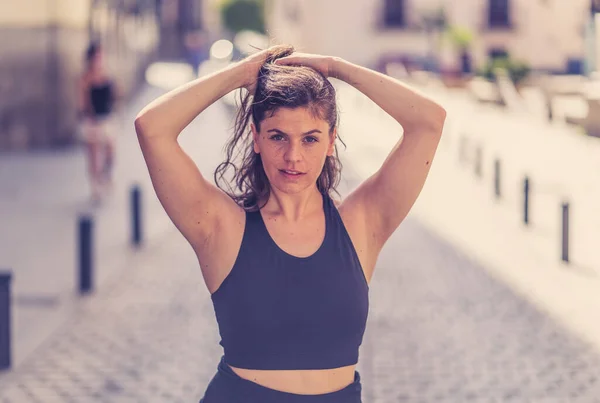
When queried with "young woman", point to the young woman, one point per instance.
{"points": [[288, 268], [97, 96]]}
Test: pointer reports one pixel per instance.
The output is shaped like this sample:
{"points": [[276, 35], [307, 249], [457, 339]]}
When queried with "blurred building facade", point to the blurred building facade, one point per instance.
{"points": [[548, 35], [179, 18], [42, 45]]}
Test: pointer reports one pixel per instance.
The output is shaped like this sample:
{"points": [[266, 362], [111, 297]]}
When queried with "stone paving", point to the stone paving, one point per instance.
{"points": [[149, 338], [442, 330]]}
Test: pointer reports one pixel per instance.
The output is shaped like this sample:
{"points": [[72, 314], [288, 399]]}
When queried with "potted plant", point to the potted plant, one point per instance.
{"points": [[517, 70], [462, 39]]}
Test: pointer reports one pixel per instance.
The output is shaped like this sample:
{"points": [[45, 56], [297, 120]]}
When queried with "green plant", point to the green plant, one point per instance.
{"points": [[517, 70], [239, 15], [460, 37]]}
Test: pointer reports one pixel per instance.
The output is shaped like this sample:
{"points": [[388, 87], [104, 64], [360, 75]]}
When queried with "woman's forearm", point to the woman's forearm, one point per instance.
{"points": [[170, 113], [411, 109]]}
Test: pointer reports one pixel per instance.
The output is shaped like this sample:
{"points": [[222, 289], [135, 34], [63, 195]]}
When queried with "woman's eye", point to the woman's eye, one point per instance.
{"points": [[279, 137]]}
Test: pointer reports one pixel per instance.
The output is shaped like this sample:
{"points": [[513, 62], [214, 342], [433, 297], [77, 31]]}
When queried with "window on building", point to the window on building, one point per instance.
{"points": [[498, 13], [497, 53], [575, 66], [394, 13]]}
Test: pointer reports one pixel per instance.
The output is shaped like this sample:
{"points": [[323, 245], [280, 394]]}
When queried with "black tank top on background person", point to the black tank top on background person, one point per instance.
{"points": [[276, 311], [101, 99]]}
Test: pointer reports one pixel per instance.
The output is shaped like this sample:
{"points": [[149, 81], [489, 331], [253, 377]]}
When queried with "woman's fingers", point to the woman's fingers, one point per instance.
{"points": [[317, 62], [287, 60]]}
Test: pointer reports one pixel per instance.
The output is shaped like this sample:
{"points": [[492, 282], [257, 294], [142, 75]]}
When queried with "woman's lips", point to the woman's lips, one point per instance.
{"points": [[290, 175]]}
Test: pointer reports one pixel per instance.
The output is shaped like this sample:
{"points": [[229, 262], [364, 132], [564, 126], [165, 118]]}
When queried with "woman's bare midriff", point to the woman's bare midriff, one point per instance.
{"points": [[301, 382]]}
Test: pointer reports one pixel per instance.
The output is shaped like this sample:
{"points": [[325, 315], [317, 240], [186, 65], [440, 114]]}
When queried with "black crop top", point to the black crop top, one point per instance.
{"points": [[101, 98], [278, 311]]}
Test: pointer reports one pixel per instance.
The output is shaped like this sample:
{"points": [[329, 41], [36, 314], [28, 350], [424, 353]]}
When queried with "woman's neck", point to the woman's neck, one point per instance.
{"points": [[293, 207]]}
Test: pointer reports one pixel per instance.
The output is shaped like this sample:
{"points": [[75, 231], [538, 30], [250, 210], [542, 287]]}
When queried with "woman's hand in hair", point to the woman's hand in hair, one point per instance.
{"points": [[323, 64], [251, 66]]}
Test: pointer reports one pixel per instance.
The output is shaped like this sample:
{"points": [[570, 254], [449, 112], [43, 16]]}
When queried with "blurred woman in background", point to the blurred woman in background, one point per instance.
{"points": [[97, 95]]}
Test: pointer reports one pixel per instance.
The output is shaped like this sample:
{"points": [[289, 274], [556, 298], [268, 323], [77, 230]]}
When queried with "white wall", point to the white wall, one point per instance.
{"points": [[73, 13], [281, 28], [25, 12], [546, 34], [36, 13], [597, 56], [337, 28]]}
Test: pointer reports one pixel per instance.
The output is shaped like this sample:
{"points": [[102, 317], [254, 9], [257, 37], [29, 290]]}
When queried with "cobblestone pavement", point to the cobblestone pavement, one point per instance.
{"points": [[149, 338], [442, 330]]}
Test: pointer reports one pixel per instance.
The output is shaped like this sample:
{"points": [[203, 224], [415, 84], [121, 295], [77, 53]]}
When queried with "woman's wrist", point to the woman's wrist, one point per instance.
{"points": [[241, 74], [236, 72], [336, 67]]}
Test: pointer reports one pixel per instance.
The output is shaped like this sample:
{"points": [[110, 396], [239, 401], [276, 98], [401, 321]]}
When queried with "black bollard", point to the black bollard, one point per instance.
{"points": [[565, 232], [526, 201], [136, 216], [497, 178], [478, 158], [5, 320], [85, 254]]}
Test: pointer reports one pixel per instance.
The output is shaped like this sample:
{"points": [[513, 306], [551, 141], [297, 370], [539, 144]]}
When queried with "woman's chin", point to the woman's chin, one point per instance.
{"points": [[290, 186]]}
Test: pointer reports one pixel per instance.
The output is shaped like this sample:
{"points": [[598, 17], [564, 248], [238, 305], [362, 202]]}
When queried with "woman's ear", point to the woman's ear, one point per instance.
{"points": [[331, 147], [254, 138]]}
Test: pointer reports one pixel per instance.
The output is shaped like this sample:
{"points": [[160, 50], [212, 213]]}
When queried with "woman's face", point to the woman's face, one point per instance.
{"points": [[293, 146]]}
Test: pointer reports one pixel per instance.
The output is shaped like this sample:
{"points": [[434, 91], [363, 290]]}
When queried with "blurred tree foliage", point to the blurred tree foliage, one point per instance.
{"points": [[239, 15]]}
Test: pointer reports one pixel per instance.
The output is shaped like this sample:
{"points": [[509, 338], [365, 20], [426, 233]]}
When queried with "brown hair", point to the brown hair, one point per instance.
{"points": [[92, 50], [278, 86]]}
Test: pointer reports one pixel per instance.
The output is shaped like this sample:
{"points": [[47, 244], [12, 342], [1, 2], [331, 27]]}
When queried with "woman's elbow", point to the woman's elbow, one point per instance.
{"points": [[438, 119], [140, 125], [144, 123]]}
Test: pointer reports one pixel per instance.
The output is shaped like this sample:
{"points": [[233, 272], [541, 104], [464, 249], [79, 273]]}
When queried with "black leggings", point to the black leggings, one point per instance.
{"points": [[228, 387]]}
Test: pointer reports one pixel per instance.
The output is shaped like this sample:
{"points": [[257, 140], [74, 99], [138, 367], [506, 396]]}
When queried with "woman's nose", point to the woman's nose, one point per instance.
{"points": [[293, 153]]}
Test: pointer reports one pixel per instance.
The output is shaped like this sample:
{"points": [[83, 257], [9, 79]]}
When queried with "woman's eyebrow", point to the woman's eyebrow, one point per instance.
{"points": [[282, 132]]}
